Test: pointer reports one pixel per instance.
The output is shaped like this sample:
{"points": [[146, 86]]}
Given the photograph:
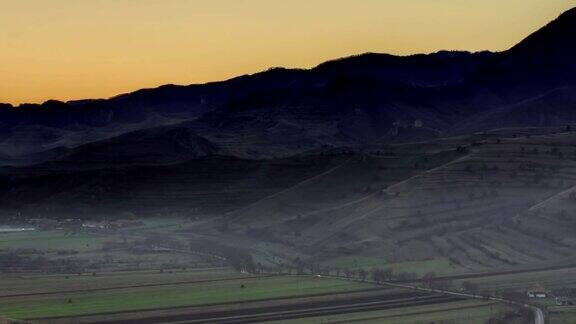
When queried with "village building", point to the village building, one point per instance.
{"points": [[537, 292]]}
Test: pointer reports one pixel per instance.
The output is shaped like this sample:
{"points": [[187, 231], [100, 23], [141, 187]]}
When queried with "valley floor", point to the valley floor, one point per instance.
{"points": [[223, 296]]}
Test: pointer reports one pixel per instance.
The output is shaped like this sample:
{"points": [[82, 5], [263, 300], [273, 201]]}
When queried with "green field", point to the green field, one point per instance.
{"points": [[564, 315], [170, 296], [51, 240], [33, 283]]}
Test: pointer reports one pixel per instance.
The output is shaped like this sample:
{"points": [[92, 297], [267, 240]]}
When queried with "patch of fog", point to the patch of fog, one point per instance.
{"points": [[12, 229]]}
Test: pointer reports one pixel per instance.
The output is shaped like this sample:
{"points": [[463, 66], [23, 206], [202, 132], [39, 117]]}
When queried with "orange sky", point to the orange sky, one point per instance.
{"points": [[72, 49]]}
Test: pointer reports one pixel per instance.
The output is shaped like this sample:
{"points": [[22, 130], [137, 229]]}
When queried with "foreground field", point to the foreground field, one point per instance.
{"points": [[16, 285], [225, 296], [563, 316], [470, 312], [203, 291]]}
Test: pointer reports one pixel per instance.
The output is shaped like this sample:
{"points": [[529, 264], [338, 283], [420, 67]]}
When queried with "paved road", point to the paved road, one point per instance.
{"points": [[540, 319]]}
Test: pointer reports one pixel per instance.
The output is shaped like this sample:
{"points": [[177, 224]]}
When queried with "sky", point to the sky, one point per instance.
{"points": [[75, 49]]}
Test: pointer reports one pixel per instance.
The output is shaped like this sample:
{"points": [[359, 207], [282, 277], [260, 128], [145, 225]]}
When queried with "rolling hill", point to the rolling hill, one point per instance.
{"points": [[504, 202]]}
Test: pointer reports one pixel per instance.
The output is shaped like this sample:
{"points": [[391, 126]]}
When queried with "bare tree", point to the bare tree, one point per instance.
{"points": [[429, 279]]}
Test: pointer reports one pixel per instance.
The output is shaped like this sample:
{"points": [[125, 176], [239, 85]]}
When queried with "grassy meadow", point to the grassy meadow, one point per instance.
{"points": [[224, 288]]}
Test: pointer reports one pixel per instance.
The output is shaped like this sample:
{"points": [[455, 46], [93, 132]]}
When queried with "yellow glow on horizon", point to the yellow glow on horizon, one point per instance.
{"points": [[73, 49]]}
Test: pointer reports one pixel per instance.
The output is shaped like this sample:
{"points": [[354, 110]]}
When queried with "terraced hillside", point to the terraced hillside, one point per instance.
{"points": [[492, 200]]}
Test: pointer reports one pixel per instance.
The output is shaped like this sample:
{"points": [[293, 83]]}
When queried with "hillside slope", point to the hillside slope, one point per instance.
{"points": [[486, 208]]}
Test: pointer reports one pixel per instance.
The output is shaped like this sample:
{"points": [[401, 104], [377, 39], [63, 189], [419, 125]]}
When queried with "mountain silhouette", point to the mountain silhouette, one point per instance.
{"points": [[550, 46], [356, 100]]}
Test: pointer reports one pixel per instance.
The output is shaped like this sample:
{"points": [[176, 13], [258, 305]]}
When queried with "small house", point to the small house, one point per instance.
{"points": [[537, 292]]}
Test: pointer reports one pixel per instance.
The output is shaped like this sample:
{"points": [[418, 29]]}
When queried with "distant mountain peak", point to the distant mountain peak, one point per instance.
{"points": [[554, 39], [569, 13]]}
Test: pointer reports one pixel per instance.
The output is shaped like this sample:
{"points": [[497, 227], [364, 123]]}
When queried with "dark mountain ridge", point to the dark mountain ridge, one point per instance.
{"points": [[349, 101]]}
